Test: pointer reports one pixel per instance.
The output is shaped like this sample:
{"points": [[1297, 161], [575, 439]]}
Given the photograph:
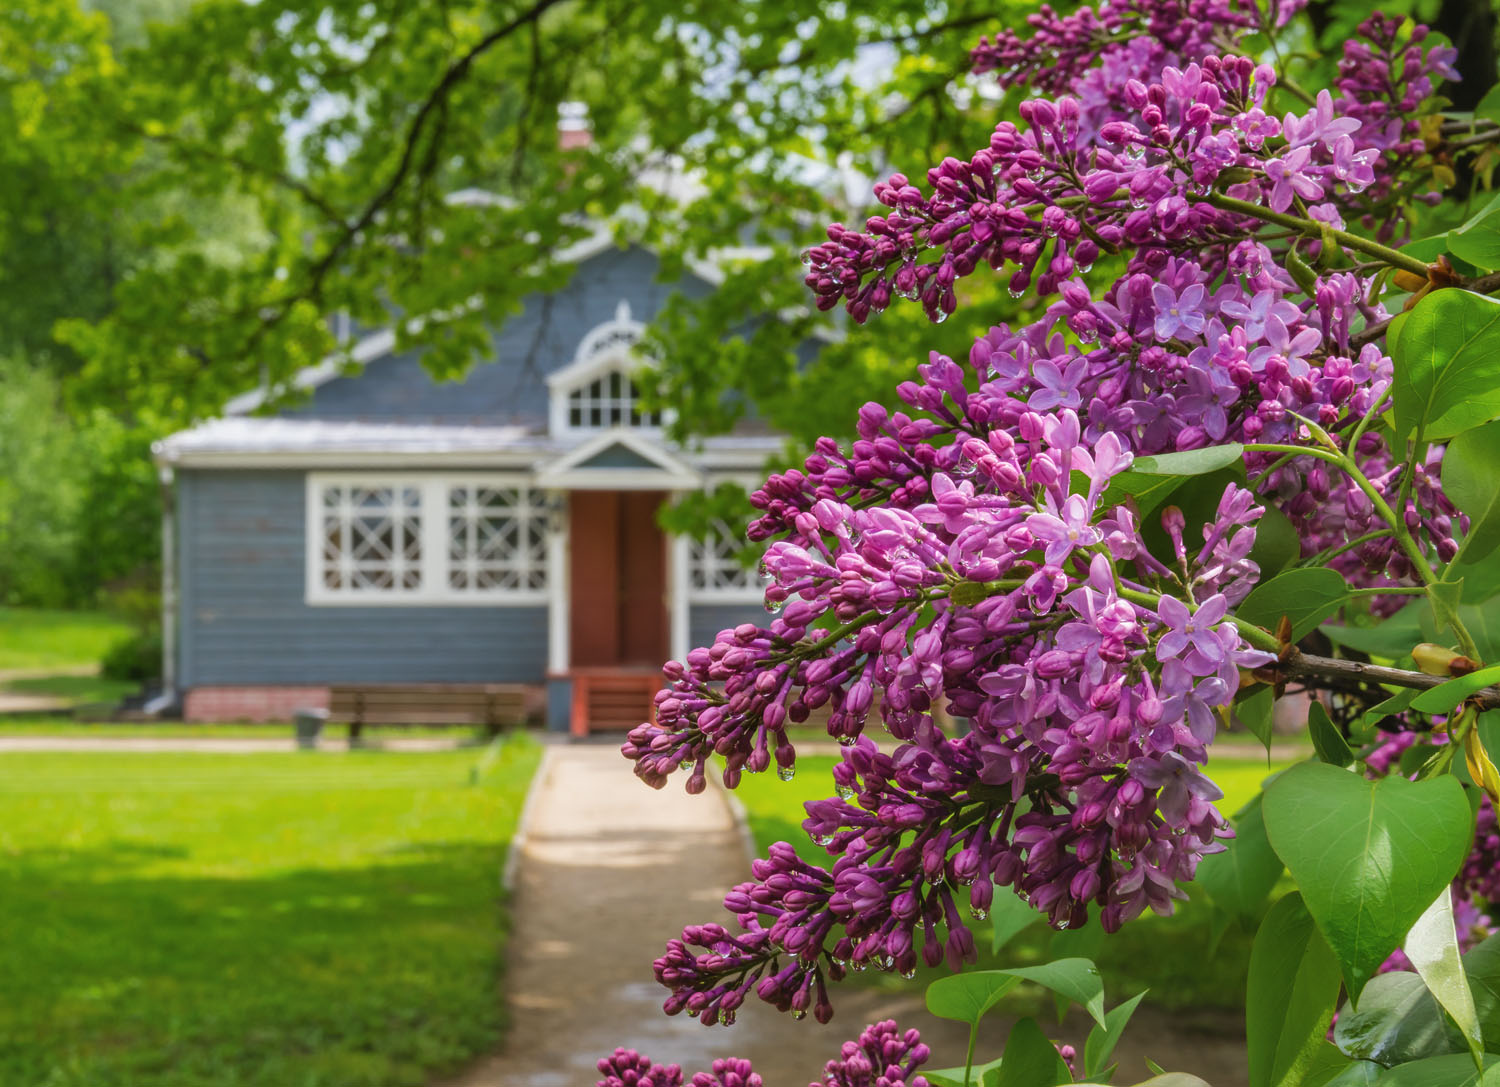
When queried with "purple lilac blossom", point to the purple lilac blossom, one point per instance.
{"points": [[1018, 600]]}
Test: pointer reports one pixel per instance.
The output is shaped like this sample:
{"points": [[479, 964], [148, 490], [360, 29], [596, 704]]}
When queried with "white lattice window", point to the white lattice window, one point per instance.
{"points": [[428, 538], [610, 400], [371, 539], [717, 569], [497, 539]]}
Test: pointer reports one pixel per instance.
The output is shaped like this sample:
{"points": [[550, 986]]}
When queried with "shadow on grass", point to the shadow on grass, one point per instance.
{"points": [[352, 977]]}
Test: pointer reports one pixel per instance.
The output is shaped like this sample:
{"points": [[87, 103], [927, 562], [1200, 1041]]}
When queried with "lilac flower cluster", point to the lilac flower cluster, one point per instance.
{"points": [[1385, 76], [1045, 201], [973, 557], [882, 1056], [627, 1068], [1144, 120], [1091, 675]]}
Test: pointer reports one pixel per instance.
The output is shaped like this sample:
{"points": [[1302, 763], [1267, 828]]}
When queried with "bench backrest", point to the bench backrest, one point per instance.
{"points": [[427, 704]]}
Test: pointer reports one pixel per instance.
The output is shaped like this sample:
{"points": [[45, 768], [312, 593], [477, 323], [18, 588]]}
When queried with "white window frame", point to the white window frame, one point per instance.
{"points": [[696, 552], [435, 562]]}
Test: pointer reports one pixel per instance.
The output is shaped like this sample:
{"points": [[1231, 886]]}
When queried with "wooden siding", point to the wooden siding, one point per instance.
{"points": [[706, 620], [244, 620], [510, 388]]}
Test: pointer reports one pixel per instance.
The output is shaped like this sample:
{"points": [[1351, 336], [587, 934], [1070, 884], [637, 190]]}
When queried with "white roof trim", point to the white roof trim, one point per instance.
{"points": [[366, 350], [249, 442]]}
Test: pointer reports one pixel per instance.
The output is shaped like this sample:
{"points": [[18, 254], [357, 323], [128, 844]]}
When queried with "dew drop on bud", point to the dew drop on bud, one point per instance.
{"points": [[979, 914], [908, 974], [1013, 292], [799, 1014], [786, 773], [844, 791]]}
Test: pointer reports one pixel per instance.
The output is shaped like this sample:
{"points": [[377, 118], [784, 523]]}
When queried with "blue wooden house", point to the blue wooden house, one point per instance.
{"points": [[393, 529]]}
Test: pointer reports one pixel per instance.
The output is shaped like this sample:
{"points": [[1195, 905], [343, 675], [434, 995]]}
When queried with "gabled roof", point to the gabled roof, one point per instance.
{"points": [[713, 269]]}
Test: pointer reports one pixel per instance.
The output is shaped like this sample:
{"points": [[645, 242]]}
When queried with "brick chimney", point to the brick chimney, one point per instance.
{"points": [[573, 129]]}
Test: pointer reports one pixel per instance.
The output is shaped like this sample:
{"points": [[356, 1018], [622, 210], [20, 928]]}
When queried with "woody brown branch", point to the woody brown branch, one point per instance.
{"points": [[1299, 664]]}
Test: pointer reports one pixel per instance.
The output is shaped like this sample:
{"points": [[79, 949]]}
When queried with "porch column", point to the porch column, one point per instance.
{"points": [[558, 578], [679, 583]]}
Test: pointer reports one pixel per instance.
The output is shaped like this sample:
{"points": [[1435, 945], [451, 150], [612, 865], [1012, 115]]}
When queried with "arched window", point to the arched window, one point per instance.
{"points": [[611, 399], [599, 389]]}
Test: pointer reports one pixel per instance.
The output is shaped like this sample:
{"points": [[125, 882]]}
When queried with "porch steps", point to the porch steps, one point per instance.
{"points": [[612, 699]]}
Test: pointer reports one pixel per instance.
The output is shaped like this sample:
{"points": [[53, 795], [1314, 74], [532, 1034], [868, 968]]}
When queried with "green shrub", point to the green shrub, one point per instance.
{"points": [[135, 658]]}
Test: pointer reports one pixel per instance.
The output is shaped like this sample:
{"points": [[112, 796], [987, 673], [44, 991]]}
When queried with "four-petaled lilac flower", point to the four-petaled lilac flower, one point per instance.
{"points": [[1063, 534], [1318, 124], [1254, 312], [1178, 312], [1057, 386], [1178, 781], [1288, 180], [1192, 629]]}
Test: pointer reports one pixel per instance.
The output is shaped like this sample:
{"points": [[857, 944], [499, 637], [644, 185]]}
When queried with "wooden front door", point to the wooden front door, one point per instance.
{"points": [[619, 580]]}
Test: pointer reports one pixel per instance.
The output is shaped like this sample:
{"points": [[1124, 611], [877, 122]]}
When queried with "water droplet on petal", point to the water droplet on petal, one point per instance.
{"points": [[786, 773], [798, 1014], [908, 974], [1013, 292], [978, 913], [844, 791], [847, 741]]}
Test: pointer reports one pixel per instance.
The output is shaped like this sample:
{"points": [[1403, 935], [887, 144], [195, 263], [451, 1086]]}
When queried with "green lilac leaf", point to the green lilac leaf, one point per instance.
{"points": [[1239, 879], [1328, 742], [1149, 491], [967, 997], [1446, 597], [1445, 696], [1456, 1070], [982, 1074], [1471, 479], [1368, 856], [1398, 1020], [1478, 241], [1306, 596], [1030, 1059], [1393, 638], [1292, 993], [1192, 462], [1489, 105], [1009, 916], [1101, 1042], [1432, 947], [1257, 712], [1076, 979], [1277, 543], [1447, 365]]}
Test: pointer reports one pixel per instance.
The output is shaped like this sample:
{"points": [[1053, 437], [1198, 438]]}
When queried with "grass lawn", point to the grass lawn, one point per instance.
{"points": [[1166, 955], [36, 639], [45, 725], [299, 920], [79, 690]]}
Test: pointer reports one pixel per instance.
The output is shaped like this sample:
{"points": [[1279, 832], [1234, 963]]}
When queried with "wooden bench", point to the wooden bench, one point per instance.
{"points": [[490, 705]]}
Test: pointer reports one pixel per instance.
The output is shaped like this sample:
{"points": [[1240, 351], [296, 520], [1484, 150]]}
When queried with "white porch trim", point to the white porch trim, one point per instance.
{"points": [[665, 472]]}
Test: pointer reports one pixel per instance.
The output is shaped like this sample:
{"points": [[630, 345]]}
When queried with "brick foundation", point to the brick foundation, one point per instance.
{"points": [[257, 704]]}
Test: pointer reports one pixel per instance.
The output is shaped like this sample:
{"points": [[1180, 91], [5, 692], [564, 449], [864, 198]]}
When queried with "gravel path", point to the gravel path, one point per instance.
{"points": [[609, 870]]}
